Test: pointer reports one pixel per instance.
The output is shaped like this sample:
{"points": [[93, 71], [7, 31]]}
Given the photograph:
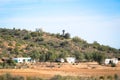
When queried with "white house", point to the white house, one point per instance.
{"points": [[71, 59], [60, 60], [107, 61], [113, 60], [22, 60]]}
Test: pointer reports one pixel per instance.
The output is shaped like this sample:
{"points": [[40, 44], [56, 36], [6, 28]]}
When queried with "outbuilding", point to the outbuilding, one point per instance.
{"points": [[71, 59], [109, 61], [22, 60], [60, 60]]}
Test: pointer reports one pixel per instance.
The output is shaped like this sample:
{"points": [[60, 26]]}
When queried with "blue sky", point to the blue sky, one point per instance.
{"points": [[92, 20]]}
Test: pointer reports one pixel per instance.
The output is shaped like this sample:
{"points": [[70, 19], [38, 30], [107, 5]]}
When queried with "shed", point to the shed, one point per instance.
{"points": [[113, 60], [22, 60], [71, 59], [60, 60]]}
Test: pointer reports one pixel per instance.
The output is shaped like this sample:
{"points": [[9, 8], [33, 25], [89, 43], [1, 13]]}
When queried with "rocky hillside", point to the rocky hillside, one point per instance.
{"points": [[45, 46]]}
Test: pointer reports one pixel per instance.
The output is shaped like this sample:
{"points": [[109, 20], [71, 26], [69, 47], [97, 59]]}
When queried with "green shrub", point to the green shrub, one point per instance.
{"points": [[34, 78], [101, 77], [56, 77], [116, 77], [113, 65], [39, 39], [109, 77], [10, 44], [8, 76]]}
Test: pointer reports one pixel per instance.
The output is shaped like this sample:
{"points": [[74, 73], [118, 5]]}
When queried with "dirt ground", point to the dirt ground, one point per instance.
{"points": [[47, 70]]}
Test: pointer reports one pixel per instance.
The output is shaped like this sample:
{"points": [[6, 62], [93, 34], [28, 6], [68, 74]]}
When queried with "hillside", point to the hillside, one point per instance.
{"points": [[44, 46]]}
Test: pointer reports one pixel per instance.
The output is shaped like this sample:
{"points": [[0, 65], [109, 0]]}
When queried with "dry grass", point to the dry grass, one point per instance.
{"points": [[81, 69]]}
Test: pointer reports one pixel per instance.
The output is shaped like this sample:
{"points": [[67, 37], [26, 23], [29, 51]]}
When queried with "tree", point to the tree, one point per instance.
{"points": [[34, 34], [88, 56], [79, 56], [27, 36], [58, 35], [35, 55], [38, 39], [10, 62], [50, 56], [15, 51], [96, 44], [63, 54], [64, 44], [63, 32], [76, 39], [42, 57], [67, 35], [99, 57]]}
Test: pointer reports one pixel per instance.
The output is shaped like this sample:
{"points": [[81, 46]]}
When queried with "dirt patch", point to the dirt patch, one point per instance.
{"points": [[81, 69]]}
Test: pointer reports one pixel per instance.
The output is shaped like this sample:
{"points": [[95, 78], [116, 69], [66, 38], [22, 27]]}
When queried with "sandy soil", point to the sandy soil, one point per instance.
{"points": [[82, 69]]}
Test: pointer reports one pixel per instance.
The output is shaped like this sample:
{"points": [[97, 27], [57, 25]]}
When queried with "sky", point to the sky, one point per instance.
{"points": [[91, 20]]}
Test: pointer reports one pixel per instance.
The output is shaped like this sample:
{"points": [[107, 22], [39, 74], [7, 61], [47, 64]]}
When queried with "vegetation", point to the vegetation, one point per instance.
{"points": [[8, 76], [8, 63], [43, 46]]}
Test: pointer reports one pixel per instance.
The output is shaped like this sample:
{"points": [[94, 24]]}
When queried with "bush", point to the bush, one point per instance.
{"points": [[10, 44], [8, 64], [34, 34], [33, 78], [116, 77], [101, 77], [8, 76], [67, 35], [110, 78], [57, 77], [27, 36], [113, 65], [39, 39]]}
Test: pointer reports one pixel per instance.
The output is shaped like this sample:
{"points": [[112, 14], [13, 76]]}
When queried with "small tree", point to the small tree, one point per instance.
{"points": [[67, 35], [35, 55], [42, 57], [113, 64], [27, 36], [99, 57], [79, 56], [88, 56], [76, 39]]}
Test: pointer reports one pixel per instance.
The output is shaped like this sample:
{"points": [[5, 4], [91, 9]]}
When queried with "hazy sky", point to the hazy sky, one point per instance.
{"points": [[92, 20]]}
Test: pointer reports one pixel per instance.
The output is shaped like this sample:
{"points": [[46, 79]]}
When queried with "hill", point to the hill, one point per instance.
{"points": [[44, 46]]}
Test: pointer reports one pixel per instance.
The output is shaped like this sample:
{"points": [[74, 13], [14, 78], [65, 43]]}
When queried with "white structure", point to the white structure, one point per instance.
{"points": [[71, 59], [22, 60], [60, 60], [108, 61]]}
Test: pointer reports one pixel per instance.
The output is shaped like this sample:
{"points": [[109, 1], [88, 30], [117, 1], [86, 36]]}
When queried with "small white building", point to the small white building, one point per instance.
{"points": [[71, 59], [22, 60], [60, 60], [113, 60]]}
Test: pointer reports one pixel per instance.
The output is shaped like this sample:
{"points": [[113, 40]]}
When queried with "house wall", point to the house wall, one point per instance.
{"points": [[114, 60], [60, 60], [70, 59], [22, 60], [107, 61]]}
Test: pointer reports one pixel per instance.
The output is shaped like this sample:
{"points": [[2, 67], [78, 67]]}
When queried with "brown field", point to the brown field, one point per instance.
{"points": [[82, 69]]}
